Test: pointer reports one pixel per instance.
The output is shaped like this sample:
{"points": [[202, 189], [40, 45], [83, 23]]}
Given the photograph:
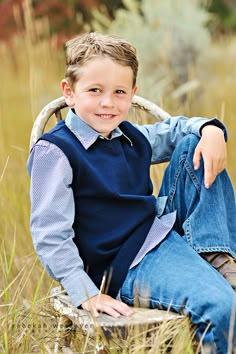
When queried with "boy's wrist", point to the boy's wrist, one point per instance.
{"points": [[216, 123], [79, 287]]}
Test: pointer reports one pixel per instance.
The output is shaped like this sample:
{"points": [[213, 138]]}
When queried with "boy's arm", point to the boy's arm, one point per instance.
{"points": [[52, 216], [164, 136]]}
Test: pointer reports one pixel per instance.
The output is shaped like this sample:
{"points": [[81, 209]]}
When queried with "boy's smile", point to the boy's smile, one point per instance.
{"points": [[102, 95]]}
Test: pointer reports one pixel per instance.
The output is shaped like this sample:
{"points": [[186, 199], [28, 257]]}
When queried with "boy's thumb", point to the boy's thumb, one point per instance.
{"points": [[196, 158]]}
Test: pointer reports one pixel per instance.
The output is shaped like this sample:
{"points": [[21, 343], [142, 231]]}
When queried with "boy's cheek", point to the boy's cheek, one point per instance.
{"points": [[70, 104], [69, 100]]}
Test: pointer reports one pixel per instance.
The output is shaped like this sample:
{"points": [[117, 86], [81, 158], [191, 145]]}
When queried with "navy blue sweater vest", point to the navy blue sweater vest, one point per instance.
{"points": [[114, 205]]}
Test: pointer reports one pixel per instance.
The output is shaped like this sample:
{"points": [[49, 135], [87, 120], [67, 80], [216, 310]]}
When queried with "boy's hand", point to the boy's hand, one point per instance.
{"points": [[212, 148], [105, 303]]}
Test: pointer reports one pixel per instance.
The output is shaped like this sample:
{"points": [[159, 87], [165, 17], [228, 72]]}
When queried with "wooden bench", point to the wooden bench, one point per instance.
{"points": [[107, 331]]}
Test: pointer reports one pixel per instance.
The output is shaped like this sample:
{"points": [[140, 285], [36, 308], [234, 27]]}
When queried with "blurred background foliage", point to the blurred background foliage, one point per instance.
{"points": [[67, 17], [223, 16], [163, 33], [172, 35]]}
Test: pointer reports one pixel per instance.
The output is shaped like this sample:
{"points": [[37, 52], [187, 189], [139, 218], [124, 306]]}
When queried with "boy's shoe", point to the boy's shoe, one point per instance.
{"points": [[224, 263]]}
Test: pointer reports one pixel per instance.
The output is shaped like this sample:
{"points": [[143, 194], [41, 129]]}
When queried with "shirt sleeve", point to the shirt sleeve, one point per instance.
{"points": [[52, 217], [164, 136]]}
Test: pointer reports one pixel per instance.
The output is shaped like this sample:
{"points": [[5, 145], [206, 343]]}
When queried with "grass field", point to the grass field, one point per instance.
{"points": [[30, 74]]}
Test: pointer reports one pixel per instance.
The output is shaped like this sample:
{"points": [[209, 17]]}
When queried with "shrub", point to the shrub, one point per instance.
{"points": [[169, 36]]}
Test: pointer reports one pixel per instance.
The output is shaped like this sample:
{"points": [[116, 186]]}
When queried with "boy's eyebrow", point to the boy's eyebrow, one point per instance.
{"points": [[95, 84]]}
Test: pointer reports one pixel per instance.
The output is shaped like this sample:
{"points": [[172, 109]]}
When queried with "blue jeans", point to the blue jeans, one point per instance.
{"points": [[173, 275]]}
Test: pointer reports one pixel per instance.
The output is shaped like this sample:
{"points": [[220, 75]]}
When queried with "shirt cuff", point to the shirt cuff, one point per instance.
{"points": [[217, 123], [79, 288]]}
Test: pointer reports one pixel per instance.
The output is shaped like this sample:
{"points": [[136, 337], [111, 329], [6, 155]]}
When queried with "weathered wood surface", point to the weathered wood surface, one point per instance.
{"points": [[141, 319], [56, 105]]}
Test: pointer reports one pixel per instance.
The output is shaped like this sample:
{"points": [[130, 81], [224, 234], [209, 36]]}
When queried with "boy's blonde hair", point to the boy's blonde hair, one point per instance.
{"points": [[83, 48]]}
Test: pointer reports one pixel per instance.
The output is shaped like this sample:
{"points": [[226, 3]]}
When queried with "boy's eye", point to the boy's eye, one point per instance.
{"points": [[95, 89], [120, 91]]}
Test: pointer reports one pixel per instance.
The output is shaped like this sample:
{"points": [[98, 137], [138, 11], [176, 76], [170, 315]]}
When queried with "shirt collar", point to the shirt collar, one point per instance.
{"points": [[85, 134]]}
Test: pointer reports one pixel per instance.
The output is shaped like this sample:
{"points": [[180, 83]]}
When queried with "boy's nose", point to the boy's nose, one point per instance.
{"points": [[107, 101]]}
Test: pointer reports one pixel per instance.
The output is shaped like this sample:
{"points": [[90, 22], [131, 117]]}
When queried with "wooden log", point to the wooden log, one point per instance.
{"points": [[141, 320]]}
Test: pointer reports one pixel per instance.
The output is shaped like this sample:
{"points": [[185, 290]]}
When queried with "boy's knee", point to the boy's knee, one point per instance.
{"points": [[188, 142], [224, 311], [186, 147]]}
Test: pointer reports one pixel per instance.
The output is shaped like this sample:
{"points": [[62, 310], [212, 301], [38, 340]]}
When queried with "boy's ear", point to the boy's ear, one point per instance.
{"points": [[134, 90], [67, 93]]}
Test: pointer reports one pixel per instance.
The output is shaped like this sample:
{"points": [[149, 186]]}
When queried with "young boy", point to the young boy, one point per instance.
{"points": [[94, 216]]}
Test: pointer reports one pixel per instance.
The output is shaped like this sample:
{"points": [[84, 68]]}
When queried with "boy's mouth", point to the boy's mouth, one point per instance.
{"points": [[106, 116]]}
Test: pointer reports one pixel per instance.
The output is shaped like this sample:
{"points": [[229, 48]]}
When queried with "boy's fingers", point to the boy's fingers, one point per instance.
{"points": [[212, 165], [208, 177], [210, 174], [105, 303], [89, 306], [211, 170], [122, 308], [109, 310], [113, 307], [196, 158]]}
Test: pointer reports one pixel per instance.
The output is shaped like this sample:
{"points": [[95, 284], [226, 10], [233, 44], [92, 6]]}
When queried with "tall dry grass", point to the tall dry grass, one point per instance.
{"points": [[31, 69]]}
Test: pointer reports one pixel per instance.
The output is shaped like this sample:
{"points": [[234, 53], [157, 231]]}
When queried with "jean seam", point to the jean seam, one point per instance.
{"points": [[189, 169], [173, 188], [191, 173], [188, 233], [214, 249], [183, 162], [177, 307]]}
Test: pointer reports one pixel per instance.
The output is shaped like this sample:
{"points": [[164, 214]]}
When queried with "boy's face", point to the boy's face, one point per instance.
{"points": [[102, 96]]}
